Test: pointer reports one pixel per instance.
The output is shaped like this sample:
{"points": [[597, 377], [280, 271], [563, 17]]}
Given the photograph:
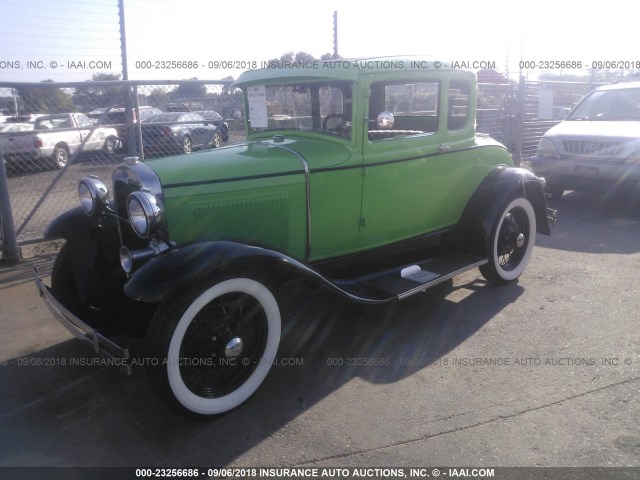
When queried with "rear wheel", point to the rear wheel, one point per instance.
{"points": [[60, 157], [512, 238], [109, 146], [187, 146], [209, 351], [217, 139]]}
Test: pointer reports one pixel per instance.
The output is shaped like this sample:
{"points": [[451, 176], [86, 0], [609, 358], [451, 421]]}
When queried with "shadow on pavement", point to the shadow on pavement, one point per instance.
{"points": [[59, 410]]}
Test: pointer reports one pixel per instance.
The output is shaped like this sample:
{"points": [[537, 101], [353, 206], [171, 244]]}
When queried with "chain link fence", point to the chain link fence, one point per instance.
{"points": [[496, 105], [54, 134], [545, 104]]}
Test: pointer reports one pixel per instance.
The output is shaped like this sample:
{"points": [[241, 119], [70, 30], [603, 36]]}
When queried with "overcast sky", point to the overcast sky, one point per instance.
{"points": [[69, 34]]}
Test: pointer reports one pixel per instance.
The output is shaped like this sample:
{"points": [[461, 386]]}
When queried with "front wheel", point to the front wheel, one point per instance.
{"points": [[209, 351], [512, 238]]}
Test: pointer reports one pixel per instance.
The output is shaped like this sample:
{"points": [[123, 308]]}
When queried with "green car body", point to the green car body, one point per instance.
{"points": [[365, 177], [362, 195]]}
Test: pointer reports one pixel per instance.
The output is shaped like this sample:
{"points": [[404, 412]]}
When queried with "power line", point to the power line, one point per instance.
{"points": [[56, 9]]}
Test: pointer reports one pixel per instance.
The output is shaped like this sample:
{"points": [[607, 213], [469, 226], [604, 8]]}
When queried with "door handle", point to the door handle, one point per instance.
{"points": [[445, 148]]}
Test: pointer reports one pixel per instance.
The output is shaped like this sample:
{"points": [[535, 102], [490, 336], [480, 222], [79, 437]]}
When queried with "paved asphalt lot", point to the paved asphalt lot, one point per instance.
{"points": [[543, 372]]}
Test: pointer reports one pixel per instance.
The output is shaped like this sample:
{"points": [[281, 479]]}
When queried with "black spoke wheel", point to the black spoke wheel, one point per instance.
{"points": [[206, 366], [210, 350], [511, 244]]}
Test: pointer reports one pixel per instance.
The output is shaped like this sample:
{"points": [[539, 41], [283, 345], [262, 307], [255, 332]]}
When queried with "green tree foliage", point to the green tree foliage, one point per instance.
{"points": [[158, 96], [45, 99], [190, 90], [301, 57], [91, 97]]}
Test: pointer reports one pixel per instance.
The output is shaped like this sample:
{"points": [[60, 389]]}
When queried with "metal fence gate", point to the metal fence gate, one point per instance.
{"points": [[39, 186]]}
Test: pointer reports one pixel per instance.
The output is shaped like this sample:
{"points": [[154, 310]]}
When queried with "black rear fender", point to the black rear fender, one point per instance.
{"points": [[499, 187]]}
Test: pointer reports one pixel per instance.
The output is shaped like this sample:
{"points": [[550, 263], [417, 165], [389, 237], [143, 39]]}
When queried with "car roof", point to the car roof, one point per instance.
{"points": [[620, 86], [341, 69]]}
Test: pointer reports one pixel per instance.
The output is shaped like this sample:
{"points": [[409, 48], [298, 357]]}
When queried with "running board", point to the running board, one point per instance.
{"points": [[411, 279]]}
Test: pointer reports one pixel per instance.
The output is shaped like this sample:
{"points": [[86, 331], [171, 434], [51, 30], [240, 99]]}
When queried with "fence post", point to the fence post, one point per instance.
{"points": [[517, 153], [10, 244], [138, 125]]}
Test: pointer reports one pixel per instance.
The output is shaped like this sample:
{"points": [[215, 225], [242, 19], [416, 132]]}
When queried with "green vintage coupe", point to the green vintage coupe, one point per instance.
{"points": [[365, 177]]}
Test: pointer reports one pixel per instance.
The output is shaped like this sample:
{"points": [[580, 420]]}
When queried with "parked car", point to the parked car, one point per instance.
{"points": [[7, 131], [597, 146], [30, 118], [222, 133], [362, 179], [56, 137], [177, 107], [177, 132], [16, 127], [117, 119]]}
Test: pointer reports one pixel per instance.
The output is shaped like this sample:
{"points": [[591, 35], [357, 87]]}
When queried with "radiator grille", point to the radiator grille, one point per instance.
{"points": [[586, 147], [262, 219]]}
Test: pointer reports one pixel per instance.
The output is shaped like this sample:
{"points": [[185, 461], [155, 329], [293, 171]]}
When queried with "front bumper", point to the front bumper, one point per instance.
{"points": [[101, 345], [576, 172]]}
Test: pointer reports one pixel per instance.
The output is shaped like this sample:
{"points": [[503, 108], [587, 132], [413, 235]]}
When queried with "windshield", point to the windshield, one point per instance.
{"points": [[321, 107], [609, 105]]}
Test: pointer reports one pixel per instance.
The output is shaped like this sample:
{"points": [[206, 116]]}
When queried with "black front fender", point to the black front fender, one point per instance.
{"points": [[183, 268], [73, 225], [93, 243]]}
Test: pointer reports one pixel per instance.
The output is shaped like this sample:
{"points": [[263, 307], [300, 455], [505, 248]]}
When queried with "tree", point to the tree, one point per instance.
{"points": [[43, 99], [90, 97], [158, 97], [190, 91]]}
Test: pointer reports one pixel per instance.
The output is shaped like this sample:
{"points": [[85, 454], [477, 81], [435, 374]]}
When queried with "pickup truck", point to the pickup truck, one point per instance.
{"points": [[57, 137]]}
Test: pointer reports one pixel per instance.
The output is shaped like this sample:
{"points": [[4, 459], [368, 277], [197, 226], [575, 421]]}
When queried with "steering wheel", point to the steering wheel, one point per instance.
{"points": [[344, 118]]}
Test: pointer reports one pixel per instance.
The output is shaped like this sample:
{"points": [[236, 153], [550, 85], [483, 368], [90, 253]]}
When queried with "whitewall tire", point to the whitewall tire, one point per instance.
{"points": [[512, 238], [216, 347]]}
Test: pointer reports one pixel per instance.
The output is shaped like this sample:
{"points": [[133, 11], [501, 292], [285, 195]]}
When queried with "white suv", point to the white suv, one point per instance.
{"points": [[597, 146]]}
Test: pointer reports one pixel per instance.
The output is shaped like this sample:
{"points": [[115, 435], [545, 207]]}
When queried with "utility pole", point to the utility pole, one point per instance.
{"points": [[128, 104], [335, 34]]}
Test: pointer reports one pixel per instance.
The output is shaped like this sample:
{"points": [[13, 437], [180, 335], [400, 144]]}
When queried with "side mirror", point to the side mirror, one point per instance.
{"points": [[385, 120]]}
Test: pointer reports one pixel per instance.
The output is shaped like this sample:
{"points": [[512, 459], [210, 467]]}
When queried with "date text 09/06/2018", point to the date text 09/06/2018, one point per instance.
{"points": [[311, 64], [578, 64], [315, 472]]}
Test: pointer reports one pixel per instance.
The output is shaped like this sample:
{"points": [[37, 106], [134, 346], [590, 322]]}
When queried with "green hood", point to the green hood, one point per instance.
{"points": [[247, 161]]}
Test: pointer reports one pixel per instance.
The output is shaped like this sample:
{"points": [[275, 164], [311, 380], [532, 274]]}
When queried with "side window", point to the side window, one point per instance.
{"points": [[398, 110], [83, 121], [459, 94]]}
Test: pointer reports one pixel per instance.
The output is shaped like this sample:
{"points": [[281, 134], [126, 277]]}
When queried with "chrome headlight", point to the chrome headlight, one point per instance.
{"points": [[93, 194], [145, 213]]}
